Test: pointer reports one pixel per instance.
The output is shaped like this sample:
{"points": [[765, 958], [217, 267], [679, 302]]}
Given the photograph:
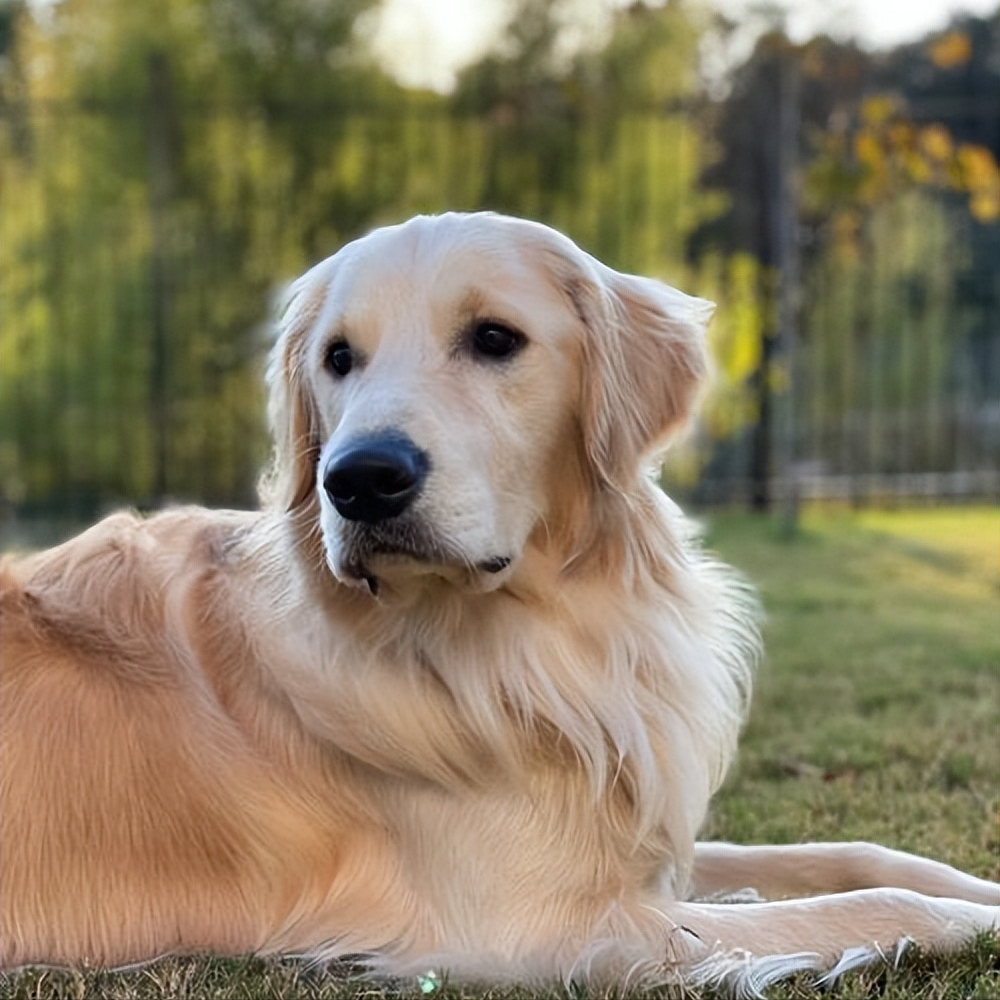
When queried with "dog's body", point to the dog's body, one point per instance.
{"points": [[458, 697]]}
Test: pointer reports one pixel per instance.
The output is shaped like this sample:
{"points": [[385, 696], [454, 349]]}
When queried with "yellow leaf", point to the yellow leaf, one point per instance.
{"points": [[917, 168], [951, 50], [878, 109], [901, 135], [743, 355], [867, 149], [985, 206], [935, 140], [979, 169]]}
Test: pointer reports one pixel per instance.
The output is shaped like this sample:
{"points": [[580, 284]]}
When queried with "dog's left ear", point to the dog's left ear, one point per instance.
{"points": [[644, 360]]}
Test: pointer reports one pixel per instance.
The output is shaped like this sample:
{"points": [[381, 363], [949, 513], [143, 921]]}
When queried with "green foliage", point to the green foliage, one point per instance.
{"points": [[884, 326], [171, 163], [896, 365], [599, 144], [145, 230]]}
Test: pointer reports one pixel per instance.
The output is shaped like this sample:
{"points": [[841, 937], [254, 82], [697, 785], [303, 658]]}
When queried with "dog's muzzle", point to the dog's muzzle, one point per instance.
{"points": [[375, 478]]}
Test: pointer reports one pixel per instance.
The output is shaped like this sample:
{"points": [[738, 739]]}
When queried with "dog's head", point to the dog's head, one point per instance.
{"points": [[444, 390]]}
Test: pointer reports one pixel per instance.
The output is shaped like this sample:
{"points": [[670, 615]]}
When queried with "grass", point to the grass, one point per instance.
{"points": [[875, 717], [876, 714]]}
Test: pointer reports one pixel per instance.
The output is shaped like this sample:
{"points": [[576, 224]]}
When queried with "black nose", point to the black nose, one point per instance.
{"points": [[375, 478]]}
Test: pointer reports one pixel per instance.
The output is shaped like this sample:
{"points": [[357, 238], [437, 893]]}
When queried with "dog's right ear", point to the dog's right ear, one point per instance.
{"points": [[291, 479], [644, 358]]}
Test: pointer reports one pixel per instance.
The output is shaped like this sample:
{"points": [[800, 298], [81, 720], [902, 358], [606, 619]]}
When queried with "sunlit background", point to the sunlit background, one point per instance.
{"points": [[826, 171]]}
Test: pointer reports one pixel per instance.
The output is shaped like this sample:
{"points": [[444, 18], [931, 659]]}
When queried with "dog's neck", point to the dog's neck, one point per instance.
{"points": [[553, 659]]}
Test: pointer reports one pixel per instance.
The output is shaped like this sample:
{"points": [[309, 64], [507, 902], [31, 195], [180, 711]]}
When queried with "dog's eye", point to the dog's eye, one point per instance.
{"points": [[340, 358], [494, 340]]}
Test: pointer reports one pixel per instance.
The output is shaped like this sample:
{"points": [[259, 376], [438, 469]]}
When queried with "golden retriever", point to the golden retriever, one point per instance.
{"points": [[457, 697]]}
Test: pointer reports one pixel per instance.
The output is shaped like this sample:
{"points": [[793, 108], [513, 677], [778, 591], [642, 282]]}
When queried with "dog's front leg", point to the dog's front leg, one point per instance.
{"points": [[805, 869], [757, 943]]}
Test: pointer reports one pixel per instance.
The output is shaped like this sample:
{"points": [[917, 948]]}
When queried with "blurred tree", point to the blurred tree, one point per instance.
{"points": [[884, 137], [10, 11], [166, 162], [596, 138], [951, 77], [164, 140]]}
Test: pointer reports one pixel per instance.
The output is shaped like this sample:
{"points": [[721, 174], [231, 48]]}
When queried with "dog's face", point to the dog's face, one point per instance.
{"points": [[438, 387]]}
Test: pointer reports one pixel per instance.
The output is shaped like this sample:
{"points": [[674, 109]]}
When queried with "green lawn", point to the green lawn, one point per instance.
{"points": [[876, 716], [876, 713]]}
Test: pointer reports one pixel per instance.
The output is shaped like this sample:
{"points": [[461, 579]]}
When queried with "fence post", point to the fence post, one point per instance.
{"points": [[789, 278], [772, 447], [159, 100]]}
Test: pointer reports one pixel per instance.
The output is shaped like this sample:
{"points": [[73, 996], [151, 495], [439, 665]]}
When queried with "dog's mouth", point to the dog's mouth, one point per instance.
{"points": [[372, 552]]}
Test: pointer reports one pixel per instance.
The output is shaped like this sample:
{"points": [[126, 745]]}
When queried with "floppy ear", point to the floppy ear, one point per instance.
{"points": [[291, 478], [644, 359]]}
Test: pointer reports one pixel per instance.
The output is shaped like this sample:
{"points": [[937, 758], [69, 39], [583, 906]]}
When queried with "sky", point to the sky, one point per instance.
{"points": [[426, 41]]}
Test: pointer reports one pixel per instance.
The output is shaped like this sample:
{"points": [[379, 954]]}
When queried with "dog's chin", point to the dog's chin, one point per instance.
{"points": [[374, 564]]}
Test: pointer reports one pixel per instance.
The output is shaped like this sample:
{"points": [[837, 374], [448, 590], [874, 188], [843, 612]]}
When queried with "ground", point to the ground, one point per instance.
{"points": [[875, 717]]}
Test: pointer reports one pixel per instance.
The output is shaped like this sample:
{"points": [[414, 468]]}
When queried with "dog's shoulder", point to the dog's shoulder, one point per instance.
{"points": [[102, 600]]}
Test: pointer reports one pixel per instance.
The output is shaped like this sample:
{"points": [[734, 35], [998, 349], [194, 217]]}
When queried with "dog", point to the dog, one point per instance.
{"points": [[457, 697]]}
